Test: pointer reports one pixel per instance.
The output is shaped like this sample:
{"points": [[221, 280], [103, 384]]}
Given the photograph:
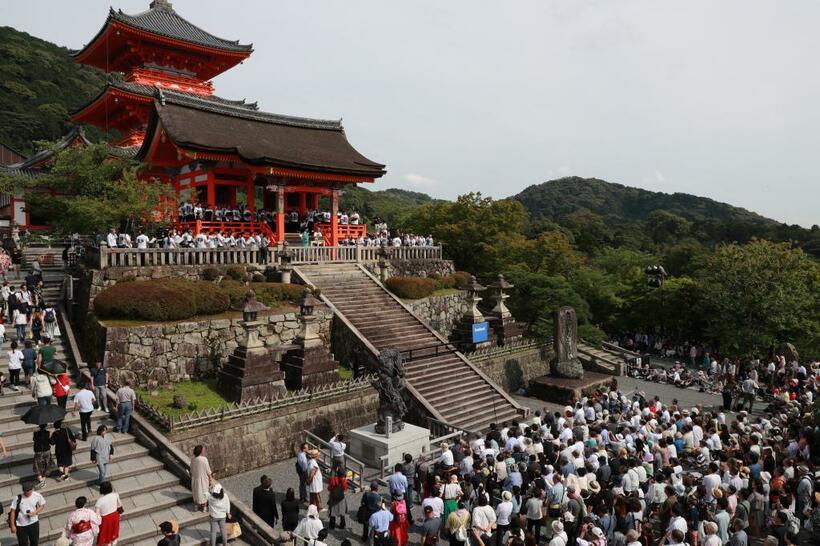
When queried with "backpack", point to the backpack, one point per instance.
{"points": [[13, 513], [792, 523], [337, 493], [400, 511], [49, 317]]}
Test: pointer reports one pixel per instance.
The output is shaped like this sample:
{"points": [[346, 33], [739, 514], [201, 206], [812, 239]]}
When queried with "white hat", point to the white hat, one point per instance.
{"points": [[217, 489], [597, 532]]}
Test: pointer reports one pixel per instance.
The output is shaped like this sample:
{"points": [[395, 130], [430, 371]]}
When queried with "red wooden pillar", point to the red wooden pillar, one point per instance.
{"points": [[302, 204], [211, 189], [280, 214], [316, 201], [334, 219], [250, 195]]}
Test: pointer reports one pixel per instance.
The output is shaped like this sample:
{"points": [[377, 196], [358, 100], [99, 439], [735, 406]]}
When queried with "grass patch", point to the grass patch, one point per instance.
{"points": [[346, 374], [202, 394], [439, 292]]}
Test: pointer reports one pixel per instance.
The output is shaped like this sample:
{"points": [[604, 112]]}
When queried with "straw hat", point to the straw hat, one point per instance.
{"points": [[717, 492], [594, 488], [506, 495]]}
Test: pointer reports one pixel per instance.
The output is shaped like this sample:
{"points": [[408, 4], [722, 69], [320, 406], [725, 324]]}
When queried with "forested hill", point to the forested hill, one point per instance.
{"points": [[40, 85], [558, 198]]}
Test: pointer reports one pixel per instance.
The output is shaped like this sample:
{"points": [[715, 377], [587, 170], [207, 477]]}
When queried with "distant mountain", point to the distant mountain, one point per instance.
{"points": [[40, 85], [558, 198], [391, 205]]}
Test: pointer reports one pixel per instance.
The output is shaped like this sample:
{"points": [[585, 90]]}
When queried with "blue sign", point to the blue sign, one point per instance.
{"points": [[481, 332]]}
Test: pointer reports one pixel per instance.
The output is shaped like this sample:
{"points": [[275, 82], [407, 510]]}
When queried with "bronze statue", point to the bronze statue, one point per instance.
{"points": [[390, 384]]}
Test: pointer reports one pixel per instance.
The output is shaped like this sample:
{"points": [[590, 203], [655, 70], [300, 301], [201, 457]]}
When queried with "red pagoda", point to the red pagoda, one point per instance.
{"points": [[214, 151]]}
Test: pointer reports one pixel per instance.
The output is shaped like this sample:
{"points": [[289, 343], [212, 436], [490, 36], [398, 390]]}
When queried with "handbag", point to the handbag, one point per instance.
{"points": [[234, 530], [361, 513]]}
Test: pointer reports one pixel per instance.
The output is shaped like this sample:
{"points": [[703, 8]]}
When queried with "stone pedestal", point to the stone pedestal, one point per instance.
{"points": [[309, 367], [251, 373], [368, 446], [563, 390], [506, 330]]}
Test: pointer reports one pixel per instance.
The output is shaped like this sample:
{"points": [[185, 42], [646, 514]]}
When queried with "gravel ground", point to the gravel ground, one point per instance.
{"points": [[284, 476]]}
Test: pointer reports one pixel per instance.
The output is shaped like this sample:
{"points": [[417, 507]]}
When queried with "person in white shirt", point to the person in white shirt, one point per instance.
{"points": [[24, 514], [15, 365], [143, 240], [111, 238], [84, 403], [337, 451], [483, 520]]}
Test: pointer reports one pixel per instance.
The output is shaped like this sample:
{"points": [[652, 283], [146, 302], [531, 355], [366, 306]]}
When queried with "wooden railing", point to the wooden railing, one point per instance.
{"points": [[105, 257], [143, 257]]}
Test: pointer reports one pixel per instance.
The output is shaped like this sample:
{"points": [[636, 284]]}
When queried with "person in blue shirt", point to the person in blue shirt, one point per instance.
{"points": [[379, 523], [397, 481]]}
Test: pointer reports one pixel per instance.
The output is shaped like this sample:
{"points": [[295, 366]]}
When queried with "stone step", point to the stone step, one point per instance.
{"points": [[479, 415], [23, 438], [409, 334], [21, 470], [72, 421], [137, 523], [442, 398], [482, 422], [136, 476], [191, 535]]}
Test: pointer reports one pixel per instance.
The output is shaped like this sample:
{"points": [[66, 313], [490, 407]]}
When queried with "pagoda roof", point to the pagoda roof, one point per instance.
{"points": [[162, 20], [260, 138], [41, 158]]}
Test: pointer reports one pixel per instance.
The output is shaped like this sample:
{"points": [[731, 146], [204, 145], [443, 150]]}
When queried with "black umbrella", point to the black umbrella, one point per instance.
{"points": [[43, 415], [55, 367]]}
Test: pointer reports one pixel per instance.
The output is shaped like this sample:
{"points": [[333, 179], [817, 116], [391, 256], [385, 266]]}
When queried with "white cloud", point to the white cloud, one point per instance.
{"points": [[419, 181], [656, 178]]}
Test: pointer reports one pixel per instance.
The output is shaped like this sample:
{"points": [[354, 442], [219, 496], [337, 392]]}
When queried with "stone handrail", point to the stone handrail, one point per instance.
{"points": [[255, 530], [352, 464], [105, 257]]}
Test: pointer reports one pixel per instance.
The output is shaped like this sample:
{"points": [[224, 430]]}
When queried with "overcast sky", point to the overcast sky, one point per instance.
{"points": [[720, 99]]}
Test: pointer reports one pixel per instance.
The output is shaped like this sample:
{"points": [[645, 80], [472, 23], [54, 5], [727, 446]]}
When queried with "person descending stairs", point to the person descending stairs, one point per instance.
{"points": [[149, 493]]}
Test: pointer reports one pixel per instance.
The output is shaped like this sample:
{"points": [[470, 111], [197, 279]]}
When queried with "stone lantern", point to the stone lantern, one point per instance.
{"points": [[310, 363], [500, 309], [384, 263], [472, 331], [503, 323], [251, 372], [285, 258]]}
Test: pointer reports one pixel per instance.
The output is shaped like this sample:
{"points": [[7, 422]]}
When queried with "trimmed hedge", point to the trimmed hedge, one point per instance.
{"points": [[273, 293], [411, 288], [443, 283], [237, 273], [462, 279], [161, 300], [210, 273]]}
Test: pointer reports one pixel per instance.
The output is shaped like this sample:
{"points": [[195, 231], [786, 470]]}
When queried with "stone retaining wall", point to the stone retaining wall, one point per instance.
{"points": [[441, 312], [159, 354], [414, 268], [245, 443], [513, 369]]}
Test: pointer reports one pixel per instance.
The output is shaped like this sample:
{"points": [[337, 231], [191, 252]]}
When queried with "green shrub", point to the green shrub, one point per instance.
{"points": [[411, 288], [160, 300], [461, 279], [274, 293], [237, 273], [443, 282], [591, 334], [234, 290], [193, 406], [210, 273]]}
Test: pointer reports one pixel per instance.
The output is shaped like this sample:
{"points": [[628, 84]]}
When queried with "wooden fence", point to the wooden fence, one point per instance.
{"points": [[105, 257], [233, 410]]}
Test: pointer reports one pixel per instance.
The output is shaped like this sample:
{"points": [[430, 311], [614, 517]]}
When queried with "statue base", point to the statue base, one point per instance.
{"points": [[570, 369], [563, 390], [368, 446], [309, 367]]}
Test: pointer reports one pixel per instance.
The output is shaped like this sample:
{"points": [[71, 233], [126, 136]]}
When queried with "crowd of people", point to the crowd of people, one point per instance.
{"points": [[613, 470]]}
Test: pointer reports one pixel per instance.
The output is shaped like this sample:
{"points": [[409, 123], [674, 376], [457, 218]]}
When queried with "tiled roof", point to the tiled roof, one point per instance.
{"points": [[225, 108], [162, 20], [257, 137], [151, 91]]}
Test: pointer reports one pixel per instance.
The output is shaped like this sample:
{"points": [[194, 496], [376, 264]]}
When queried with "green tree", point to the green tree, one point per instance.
{"points": [[760, 294], [88, 190], [469, 226], [665, 226]]}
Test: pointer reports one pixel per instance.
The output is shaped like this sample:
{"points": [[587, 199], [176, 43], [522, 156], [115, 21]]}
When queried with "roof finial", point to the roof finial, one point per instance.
{"points": [[161, 4]]}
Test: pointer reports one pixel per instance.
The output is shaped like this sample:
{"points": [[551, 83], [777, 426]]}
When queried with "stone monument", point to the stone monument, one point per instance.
{"points": [[251, 371], [565, 340], [310, 363], [389, 436]]}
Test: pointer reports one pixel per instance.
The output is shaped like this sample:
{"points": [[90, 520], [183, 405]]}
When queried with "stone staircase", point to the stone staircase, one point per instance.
{"points": [[52, 267], [600, 360], [445, 384], [150, 494]]}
